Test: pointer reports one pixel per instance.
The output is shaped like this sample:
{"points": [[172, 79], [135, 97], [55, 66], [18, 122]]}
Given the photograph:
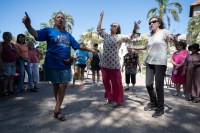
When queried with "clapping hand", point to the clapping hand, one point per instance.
{"points": [[26, 20], [196, 63]]}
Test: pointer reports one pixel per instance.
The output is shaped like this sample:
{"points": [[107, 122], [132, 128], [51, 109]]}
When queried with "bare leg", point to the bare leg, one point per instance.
{"points": [[10, 83], [93, 76], [184, 89], [75, 74], [82, 74], [55, 90], [98, 76], [5, 82], [133, 85], [60, 96], [178, 85], [127, 85]]}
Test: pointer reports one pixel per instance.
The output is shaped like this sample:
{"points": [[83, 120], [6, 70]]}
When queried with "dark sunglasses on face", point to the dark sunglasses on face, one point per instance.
{"points": [[153, 22], [180, 45], [113, 25]]}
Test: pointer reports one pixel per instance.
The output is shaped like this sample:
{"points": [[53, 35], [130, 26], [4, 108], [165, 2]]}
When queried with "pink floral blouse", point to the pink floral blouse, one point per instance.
{"points": [[111, 46]]}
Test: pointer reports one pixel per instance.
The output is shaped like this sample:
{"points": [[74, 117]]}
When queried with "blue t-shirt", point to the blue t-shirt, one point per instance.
{"points": [[81, 60], [58, 42]]}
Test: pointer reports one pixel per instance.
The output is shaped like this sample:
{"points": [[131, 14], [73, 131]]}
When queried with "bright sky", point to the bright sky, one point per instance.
{"points": [[86, 14]]}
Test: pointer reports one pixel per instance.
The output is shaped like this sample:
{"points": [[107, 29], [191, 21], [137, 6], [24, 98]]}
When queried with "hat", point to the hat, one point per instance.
{"points": [[182, 42], [82, 43], [95, 44], [194, 45]]}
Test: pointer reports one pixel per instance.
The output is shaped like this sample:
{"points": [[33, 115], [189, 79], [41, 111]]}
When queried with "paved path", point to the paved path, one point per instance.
{"points": [[86, 113]]}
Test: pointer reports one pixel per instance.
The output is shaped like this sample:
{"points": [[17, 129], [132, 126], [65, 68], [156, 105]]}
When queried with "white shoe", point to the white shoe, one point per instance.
{"points": [[183, 96], [98, 84], [176, 94], [93, 85]]}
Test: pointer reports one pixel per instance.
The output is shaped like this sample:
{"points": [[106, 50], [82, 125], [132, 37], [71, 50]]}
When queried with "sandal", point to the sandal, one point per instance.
{"points": [[71, 85], [196, 100], [62, 118], [133, 90], [82, 84], [190, 99]]}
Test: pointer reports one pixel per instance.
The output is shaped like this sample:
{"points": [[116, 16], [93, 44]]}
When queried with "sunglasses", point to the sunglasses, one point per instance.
{"points": [[113, 25], [180, 45], [153, 22]]}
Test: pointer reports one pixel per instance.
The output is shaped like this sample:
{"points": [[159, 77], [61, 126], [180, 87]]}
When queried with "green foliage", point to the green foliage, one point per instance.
{"points": [[28, 37], [88, 37], [194, 28], [14, 40], [68, 18], [163, 10], [43, 48]]}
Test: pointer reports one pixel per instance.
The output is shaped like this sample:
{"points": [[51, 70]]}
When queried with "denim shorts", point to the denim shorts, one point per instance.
{"points": [[10, 68], [57, 75]]}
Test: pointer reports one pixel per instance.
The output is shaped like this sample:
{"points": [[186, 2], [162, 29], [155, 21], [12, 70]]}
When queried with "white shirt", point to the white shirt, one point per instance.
{"points": [[111, 46], [157, 47]]}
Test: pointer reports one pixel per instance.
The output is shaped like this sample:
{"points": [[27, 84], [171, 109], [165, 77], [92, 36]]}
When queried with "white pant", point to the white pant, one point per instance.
{"points": [[34, 71]]}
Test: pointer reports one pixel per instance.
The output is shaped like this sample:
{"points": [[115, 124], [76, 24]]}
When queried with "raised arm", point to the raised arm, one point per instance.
{"points": [[140, 48], [27, 22], [172, 39], [100, 21]]}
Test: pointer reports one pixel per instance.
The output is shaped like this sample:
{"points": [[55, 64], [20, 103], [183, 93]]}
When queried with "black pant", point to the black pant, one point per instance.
{"points": [[159, 72], [132, 78]]}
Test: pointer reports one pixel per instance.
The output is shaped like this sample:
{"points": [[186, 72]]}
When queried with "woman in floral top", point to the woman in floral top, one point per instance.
{"points": [[110, 65], [131, 61]]}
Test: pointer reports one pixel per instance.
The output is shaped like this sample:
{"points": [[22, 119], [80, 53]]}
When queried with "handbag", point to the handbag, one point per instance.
{"points": [[17, 61], [68, 62]]}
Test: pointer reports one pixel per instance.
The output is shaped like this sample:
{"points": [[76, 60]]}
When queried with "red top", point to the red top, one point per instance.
{"points": [[34, 55], [8, 55]]}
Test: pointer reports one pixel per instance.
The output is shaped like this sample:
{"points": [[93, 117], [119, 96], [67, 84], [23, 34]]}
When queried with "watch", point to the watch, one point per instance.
{"points": [[175, 64]]}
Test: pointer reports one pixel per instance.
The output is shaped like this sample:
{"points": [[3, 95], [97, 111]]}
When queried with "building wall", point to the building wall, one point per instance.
{"points": [[195, 10]]}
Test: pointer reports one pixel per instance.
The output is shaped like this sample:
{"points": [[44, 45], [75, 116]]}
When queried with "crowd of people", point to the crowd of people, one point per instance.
{"points": [[58, 61]]}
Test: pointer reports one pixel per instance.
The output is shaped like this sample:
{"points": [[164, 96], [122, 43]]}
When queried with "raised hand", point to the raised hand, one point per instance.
{"points": [[101, 14], [26, 20], [136, 26], [132, 46], [173, 37]]}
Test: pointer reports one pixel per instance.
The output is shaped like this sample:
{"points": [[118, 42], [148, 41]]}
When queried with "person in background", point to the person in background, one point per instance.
{"points": [[94, 64], [156, 63], [24, 59], [80, 63], [109, 63], [7, 63], [59, 42], [192, 65], [35, 57], [177, 60], [131, 60]]}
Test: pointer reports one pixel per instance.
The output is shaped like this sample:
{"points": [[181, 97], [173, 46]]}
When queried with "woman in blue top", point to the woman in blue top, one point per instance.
{"points": [[80, 63], [59, 42]]}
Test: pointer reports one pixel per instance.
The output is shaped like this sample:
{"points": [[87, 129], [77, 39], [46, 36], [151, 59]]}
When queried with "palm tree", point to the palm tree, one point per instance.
{"points": [[68, 18], [29, 37], [163, 10]]}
